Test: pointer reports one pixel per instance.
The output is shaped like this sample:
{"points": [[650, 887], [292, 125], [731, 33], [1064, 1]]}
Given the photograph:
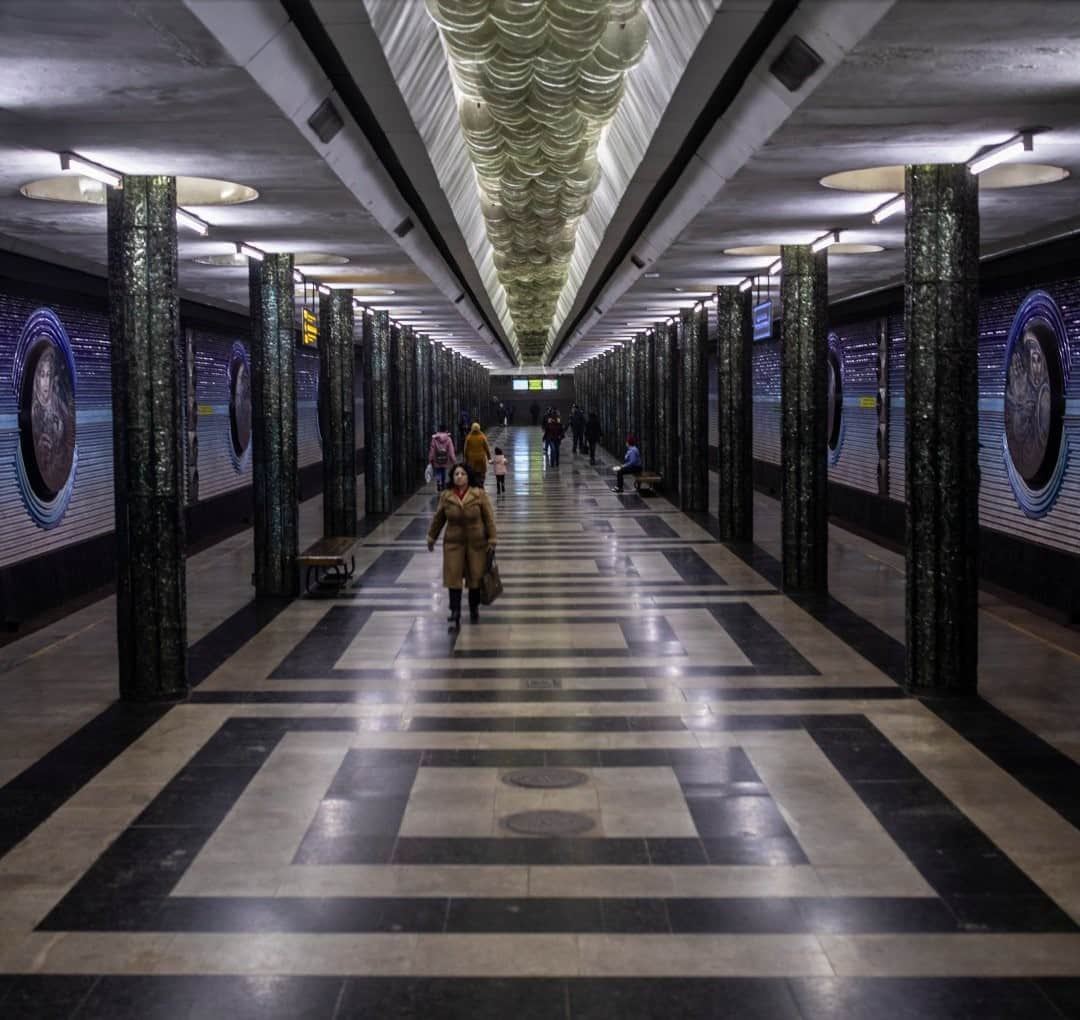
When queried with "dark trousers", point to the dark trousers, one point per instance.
{"points": [[620, 471], [455, 601], [553, 451], [579, 441], [500, 483], [590, 444]]}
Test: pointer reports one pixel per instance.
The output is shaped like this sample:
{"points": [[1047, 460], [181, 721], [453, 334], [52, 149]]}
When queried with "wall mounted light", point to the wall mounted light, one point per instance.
{"points": [[774, 269], [746, 284], [1021, 142], [890, 208], [71, 161], [297, 276], [192, 222], [825, 241], [250, 251], [323, 289]]}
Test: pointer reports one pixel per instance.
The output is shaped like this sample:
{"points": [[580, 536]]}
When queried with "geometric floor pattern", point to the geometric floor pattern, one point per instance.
{"points": [[774, 829]]}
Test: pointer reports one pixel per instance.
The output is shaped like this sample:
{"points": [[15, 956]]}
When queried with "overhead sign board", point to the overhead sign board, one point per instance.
{"points": [[763, 321], [309, 335]]}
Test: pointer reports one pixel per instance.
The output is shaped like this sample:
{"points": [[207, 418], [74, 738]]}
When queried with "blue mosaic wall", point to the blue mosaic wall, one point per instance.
{"points": [[90, 511], [856, 460]]}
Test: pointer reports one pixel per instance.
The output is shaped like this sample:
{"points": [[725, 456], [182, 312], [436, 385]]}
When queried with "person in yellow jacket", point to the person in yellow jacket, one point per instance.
{"points": [[477, 453]]}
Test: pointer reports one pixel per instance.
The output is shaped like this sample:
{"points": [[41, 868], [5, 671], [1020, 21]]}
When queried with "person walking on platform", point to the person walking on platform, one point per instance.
{"points": [[631, 464], [441, 456], [592, 435], [476, 454], [577, 427], [466, 511], [553, 436], [500, 465]]}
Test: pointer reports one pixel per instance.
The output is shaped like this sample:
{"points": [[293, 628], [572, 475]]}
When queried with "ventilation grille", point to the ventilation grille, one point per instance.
{"points": [[795, 64], [326, 121]]}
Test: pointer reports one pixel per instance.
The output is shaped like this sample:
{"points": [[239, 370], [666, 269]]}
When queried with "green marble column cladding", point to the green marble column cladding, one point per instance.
{"points": [[693, 389], [735, 468], [273, 426], [666, 408], [148, 372], [378, 432], [408, 395], [942, 431], [650, 446], [397, 410], [803, 468], [336, 371], [426, 411]]}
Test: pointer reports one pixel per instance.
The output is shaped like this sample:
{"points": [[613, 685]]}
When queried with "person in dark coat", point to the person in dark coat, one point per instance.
{"points": [[466, 511], [553, 436], [577, 427], [592, 435]]}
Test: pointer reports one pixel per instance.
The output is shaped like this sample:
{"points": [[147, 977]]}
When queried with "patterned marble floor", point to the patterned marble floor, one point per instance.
{"points": [[773, 829]]}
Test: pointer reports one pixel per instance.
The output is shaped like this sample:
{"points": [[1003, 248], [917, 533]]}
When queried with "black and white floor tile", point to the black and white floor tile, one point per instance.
{"points": [[772, 828]]}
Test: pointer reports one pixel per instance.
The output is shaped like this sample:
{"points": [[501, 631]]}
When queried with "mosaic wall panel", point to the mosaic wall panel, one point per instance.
{"points": [[90, 509], [853, 461], [1055, 523], [767, 402]]}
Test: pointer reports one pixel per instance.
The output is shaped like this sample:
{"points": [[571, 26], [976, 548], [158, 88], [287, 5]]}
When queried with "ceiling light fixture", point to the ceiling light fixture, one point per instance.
{"points": [[323, 289], [825, 241], [774, 269], [192, 222], [652, 276], [746, 284], [71, 161], [250, 251], [890, 208], [298, 277], [1021, 142]]}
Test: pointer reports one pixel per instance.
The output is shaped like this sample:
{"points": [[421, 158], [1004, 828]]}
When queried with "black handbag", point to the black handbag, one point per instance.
{"points": [[491, 585]]}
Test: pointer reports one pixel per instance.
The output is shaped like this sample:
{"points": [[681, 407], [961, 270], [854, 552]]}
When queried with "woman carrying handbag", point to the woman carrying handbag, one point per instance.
{"points": [[466, 512]]}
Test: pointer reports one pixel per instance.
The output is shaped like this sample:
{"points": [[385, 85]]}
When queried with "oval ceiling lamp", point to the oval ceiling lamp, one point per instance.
{"points": [[538, 81], [891, 178], [302, 260], [772, 250], [190, 191]]}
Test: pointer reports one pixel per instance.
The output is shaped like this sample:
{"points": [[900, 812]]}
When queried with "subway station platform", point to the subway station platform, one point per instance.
{"points": [[767, 826]]}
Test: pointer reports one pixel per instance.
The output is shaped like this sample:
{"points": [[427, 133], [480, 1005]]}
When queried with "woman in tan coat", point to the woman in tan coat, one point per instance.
{"points": [[476, 453], [470, 535]]}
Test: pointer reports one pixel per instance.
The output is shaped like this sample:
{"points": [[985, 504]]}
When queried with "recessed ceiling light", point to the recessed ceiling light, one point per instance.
{"points": [[773, 250], [310, 259], [652, 276], [890, 179], [88, 168], [190, 191]]}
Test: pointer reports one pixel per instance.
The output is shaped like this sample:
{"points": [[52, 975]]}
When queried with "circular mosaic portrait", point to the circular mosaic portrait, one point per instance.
{"points": [[1036, 376], [834, 398], [43, 379], [239, 405]]}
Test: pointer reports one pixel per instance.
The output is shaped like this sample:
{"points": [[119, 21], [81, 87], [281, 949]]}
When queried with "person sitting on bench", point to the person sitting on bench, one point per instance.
{"points": [[631, 464]]}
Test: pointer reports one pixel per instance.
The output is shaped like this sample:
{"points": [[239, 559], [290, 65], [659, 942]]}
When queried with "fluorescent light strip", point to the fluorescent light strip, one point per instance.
{"points": [[890, 208], [774, 269], [825, 241], [297, 276], [192, 222], [746, 284], [71, 161], [1018, 143], [250, 251], [323, 289]]}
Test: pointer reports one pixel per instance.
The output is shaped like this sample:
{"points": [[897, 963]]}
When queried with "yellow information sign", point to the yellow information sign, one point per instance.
{"points": [[868, 402], [536, 384], [310, 328]]}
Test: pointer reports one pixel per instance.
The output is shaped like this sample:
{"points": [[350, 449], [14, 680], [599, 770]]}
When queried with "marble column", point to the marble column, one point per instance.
{"points": [[397, 410], [667, 412], [693, 389], [734, 356], [408, 393], [336, 369], [148, 373], [273, 426], [425, 413], [803, 472], [942, 428], [378, 434], [650, 441]]}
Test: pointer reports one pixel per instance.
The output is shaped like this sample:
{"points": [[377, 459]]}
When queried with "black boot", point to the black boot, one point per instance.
{"points": [[455, 607], [474, 605]]}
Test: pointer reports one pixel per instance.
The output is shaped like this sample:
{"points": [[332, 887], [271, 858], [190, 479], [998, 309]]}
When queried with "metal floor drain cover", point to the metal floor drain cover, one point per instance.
{"points": [[546, 778], [549, 823]]}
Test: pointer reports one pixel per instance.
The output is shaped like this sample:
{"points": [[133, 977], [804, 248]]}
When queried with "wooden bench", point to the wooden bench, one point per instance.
{"points": [[647, 479], [330, 554]]}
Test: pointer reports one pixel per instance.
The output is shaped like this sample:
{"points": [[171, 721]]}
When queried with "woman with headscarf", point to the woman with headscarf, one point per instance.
{"points": [[476, 453], [466, 511]]}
